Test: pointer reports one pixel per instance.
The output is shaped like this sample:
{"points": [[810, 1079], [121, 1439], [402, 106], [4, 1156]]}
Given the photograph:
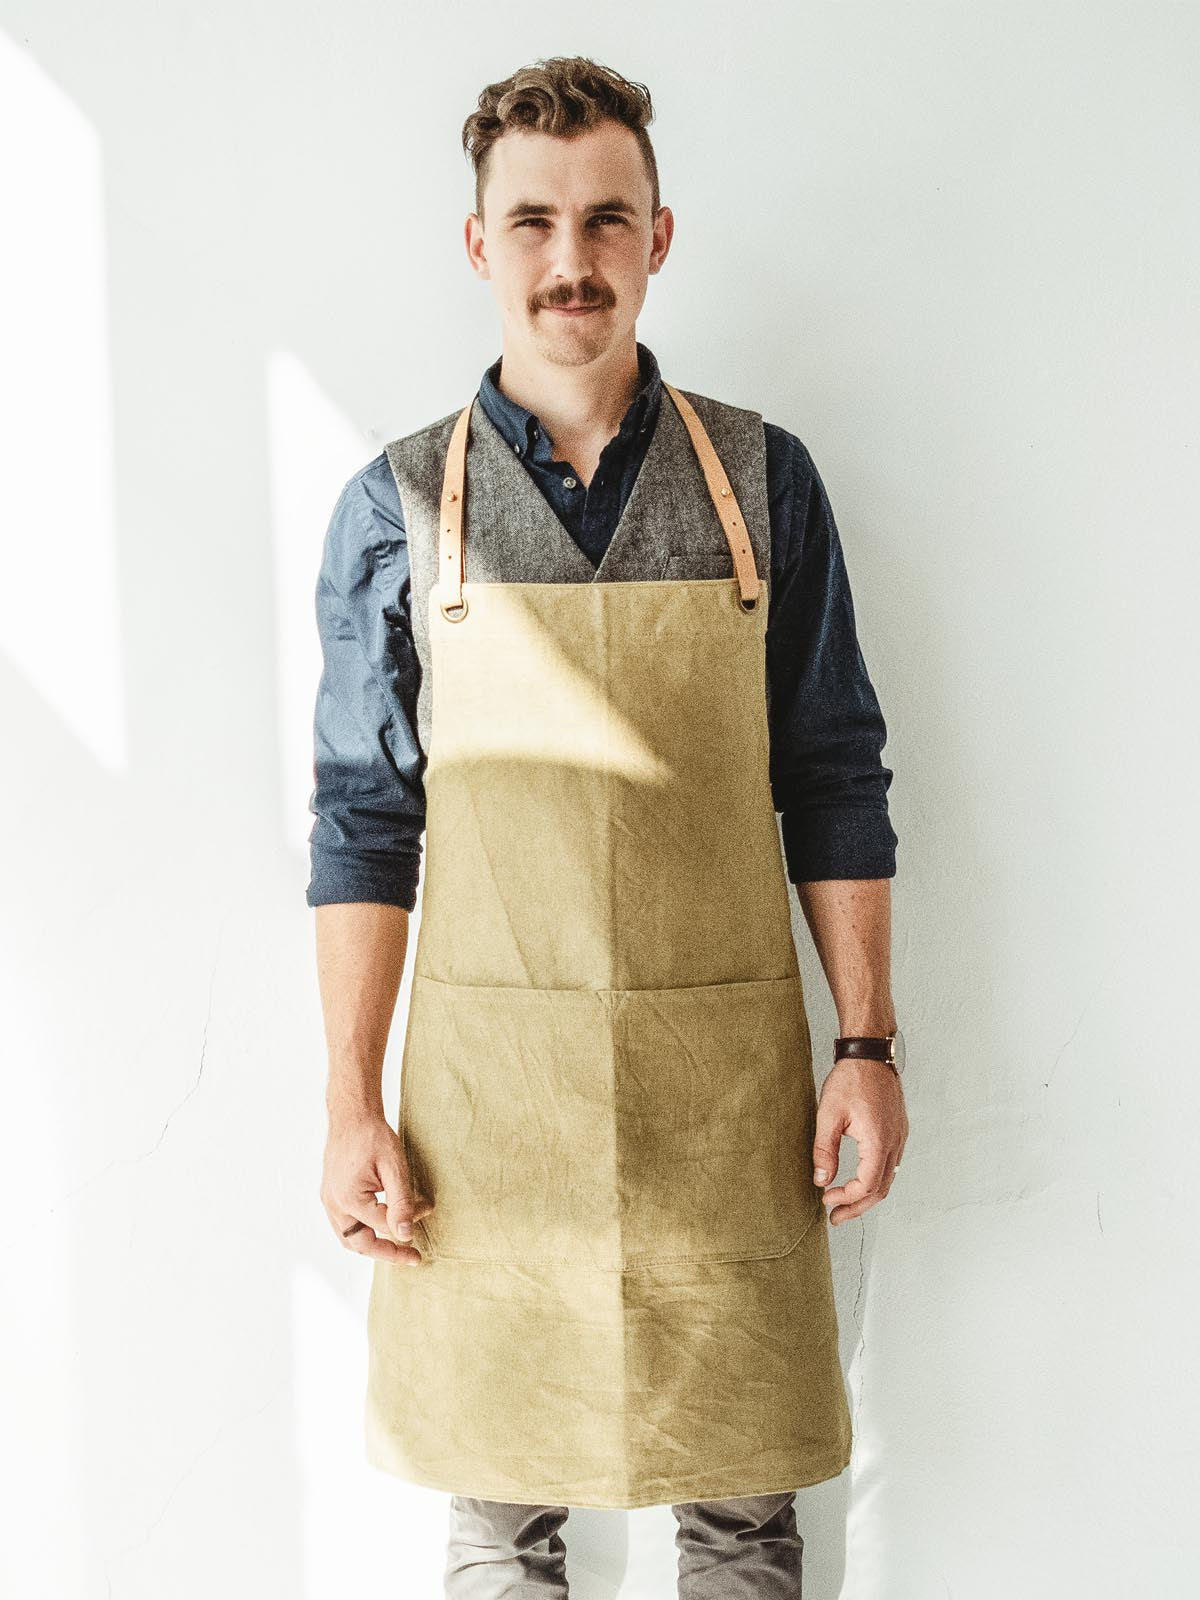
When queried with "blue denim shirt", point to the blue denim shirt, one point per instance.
{"points": [[826, 728]]}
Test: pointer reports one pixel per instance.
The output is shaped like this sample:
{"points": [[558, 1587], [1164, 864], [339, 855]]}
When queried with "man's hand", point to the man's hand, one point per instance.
{"points": [[364, 1155], [863, 1099]]}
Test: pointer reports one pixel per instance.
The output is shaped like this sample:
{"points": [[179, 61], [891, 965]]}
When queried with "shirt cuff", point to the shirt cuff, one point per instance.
{"points": [[838, 842], [389, 879]]}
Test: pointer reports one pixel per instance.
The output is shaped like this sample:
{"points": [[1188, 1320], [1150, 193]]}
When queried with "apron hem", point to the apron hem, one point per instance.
{"points": [[708, 1486]]}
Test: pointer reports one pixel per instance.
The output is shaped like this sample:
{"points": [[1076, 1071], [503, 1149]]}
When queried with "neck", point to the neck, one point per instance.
{"points": [[573, 403]]}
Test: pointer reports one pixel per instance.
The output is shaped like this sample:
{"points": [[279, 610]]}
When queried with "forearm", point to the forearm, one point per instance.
{"points": [[360, 960], [850, 923]]}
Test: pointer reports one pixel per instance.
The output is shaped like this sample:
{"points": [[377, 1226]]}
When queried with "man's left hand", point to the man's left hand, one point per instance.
{"points": [[863, 1099]]}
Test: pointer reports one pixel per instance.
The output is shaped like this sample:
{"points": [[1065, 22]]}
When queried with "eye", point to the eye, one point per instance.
{"points": [[603, 216]]}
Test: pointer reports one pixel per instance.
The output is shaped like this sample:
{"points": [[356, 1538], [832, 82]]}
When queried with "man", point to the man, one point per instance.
{"points": [[591, 632]]}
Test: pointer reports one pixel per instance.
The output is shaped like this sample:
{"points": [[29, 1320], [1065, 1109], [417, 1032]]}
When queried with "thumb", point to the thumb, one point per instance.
{"points": [[827, 1143], [399, 1200]]}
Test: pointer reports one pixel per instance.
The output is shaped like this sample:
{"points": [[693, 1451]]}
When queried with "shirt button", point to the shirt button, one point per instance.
{"points": [[568, 483], [517, 448]]}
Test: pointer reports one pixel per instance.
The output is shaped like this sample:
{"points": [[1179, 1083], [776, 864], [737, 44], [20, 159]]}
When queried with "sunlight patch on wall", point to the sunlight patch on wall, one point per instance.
{"points": [[59, 614]]}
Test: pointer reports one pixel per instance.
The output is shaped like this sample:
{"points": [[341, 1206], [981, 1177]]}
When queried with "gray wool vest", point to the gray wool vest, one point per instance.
{"points": [[511, 534]]}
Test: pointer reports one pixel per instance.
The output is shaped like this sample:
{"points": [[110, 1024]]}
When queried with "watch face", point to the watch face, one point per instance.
{"points": [[898, 1047]]}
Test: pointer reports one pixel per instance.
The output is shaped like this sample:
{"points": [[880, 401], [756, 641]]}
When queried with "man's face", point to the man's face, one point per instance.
{"points": [[553, 240]]}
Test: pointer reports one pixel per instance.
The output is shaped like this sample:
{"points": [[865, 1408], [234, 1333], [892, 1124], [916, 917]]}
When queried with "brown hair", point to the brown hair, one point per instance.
{"points": [[562, 95]]}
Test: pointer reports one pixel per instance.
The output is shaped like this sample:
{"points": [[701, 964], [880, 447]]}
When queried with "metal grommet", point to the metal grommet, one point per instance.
{"points": [[460, 610]]}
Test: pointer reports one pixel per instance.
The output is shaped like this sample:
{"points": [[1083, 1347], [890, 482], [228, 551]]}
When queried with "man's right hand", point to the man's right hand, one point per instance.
{"points": [[363, 1156]]}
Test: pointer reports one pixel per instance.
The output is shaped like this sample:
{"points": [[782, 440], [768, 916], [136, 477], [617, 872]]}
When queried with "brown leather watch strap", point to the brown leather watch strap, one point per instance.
{"points": [[866, 1049], [451, 562]]}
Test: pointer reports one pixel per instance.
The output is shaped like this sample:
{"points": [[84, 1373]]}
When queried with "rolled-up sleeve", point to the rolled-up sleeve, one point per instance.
{"points": [[827, 730], [368, 799]]}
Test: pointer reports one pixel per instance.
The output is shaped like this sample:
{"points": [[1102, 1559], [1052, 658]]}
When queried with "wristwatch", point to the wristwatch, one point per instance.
{"points": [[889, 1048]]}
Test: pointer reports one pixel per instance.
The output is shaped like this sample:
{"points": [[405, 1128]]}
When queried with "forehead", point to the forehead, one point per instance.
{"points": [[573, 171]]}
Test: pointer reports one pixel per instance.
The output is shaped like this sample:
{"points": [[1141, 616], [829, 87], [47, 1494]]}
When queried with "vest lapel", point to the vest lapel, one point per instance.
{"points": [[538, 547]]}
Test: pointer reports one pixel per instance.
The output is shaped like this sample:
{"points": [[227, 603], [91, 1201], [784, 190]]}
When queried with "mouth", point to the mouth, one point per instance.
{"points": [[571, 311]]}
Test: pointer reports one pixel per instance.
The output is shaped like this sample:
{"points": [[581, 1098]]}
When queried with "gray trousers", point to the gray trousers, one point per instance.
{"points": [[728, 1550]]}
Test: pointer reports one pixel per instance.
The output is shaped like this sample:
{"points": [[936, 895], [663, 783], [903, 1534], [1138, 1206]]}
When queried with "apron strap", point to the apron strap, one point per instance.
{"points": [[450, 535], [723, 498]]}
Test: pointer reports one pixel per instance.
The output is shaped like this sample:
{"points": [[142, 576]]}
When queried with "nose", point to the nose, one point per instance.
{"points": [[570, 257]]}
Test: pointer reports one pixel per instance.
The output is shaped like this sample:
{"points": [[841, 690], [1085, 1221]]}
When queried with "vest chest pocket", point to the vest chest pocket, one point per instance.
{"points": [[715, 563], [611, 1129]]}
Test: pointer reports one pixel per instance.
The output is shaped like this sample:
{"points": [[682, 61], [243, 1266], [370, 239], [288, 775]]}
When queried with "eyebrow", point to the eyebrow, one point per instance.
{"points": [[536, 208]]}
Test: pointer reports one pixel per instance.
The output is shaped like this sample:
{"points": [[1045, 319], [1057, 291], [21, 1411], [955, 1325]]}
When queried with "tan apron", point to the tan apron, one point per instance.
{"points": [[625, 1297]]}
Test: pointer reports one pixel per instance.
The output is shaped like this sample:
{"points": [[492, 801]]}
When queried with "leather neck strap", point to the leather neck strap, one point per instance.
{"points": [[450, 537]]}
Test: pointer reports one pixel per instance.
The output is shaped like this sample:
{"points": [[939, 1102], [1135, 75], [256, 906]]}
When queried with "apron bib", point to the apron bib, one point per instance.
{"points": [[607, 1085]]}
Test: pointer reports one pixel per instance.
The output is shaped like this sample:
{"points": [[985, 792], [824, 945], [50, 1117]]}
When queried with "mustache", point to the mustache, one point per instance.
{"points": [[575, 300]]}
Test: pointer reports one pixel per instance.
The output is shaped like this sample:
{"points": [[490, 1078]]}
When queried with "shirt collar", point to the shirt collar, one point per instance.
{"points": [[518, 425]]}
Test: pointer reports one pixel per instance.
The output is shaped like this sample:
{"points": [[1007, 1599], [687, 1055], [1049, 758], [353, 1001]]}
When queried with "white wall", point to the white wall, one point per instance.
{"points": [[948, 246]]}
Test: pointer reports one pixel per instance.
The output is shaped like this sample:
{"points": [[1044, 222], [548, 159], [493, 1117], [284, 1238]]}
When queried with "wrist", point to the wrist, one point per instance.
{"points": [[886, 1047], [353, 1103], [876, 1024]]}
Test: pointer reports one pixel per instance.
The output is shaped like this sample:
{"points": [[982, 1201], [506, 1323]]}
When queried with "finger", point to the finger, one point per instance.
{"points": [[844, 1213], [872, 1164], [851, 1200], [357, 1225], [364, 1242], [874, 1161], [845, 1193], [375, 1214]]}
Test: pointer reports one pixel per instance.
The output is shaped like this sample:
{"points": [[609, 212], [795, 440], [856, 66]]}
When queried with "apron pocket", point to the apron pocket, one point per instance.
{"points": [[610, 1128]]}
